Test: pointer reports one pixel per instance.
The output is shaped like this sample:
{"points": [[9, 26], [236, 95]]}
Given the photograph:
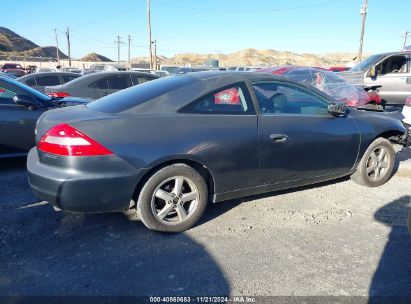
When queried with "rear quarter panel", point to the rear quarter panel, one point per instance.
{"points": [[226, 144]]}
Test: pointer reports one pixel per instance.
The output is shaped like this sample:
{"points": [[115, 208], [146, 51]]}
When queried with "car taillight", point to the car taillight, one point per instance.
{"points": [[58, 94], [408, 101], [66, 140]]}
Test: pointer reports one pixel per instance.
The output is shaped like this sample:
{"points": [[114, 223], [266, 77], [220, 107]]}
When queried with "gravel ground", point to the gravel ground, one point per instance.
{"points": [[334, 239]]}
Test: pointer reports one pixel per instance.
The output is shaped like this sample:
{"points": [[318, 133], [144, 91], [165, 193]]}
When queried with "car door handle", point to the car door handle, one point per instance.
{"points": [[408, 81], [278, 138]]}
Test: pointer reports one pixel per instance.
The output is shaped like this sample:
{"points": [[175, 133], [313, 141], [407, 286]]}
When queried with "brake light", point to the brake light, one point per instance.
{"points": [[58, 94], [408, 101], [66, 140]]}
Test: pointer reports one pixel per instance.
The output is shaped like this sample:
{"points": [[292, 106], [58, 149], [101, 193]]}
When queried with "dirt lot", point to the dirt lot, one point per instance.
{"points": [[330, 239]]}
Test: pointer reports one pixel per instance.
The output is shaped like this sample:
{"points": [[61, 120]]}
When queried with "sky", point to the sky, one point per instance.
{"points": [[210, 26]]}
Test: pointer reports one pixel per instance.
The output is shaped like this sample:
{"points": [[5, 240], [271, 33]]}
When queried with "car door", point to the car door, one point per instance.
{"points": [[298, 138], [17, 123], [394, 77], [221, 128], [44, 81], [119, 82]]}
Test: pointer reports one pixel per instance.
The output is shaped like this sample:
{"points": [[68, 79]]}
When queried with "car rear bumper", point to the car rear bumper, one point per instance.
{"points": [[89, 184]]}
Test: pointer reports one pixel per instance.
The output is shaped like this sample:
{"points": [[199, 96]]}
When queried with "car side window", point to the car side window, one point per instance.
{"points": [[31, 82], [100, 84], [47, 80], [274, 98], [119, 82], [139, 79], [233, 99], [67, 78], [6, 96], [393, 64]]}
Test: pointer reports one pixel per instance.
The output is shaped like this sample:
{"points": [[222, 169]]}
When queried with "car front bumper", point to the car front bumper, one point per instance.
{"points": [[82, 184]]}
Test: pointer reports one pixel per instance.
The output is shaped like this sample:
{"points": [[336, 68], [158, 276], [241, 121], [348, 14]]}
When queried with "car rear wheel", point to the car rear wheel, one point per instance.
{"points": [[173, 199], [376, 165]]}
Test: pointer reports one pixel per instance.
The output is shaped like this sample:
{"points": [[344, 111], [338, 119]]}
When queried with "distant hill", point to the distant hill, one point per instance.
{"points": [[96, 58], [254, 57], [13, 45]]}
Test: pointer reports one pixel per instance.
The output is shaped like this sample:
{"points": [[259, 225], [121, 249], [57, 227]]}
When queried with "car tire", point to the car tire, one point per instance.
{"points": [[376, 165], [173, 199]]}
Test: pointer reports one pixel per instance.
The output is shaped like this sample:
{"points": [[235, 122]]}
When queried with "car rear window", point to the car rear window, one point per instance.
{"points": [[131, 97]]}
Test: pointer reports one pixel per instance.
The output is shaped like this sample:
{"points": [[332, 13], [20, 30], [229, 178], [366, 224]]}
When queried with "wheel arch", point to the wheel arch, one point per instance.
{"points": [[202, 169]]}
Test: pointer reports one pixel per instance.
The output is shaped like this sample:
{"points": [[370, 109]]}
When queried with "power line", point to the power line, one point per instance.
{"points": [[122, 12], [269, 10]]}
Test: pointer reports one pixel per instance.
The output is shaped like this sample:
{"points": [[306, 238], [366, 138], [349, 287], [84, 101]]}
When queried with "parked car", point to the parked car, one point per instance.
{"points": [[337, 69], [13, 68], [71, 69], [42, 70], [332, 84], [170, 145], [186, 70], [100, 84], [169, 68], [391, 71], [20, 107], [39, 81]]}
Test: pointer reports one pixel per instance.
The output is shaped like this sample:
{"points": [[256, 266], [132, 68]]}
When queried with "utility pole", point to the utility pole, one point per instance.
{"points": [[118, 41], [155, 54], [149, 34], [57, 47], [68, 45], [363, 13], [129, 46], [405, 38]]}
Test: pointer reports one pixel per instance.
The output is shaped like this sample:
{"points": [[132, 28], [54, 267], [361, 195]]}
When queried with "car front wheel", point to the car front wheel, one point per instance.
{"points": [[376, 165], [173, 199]]}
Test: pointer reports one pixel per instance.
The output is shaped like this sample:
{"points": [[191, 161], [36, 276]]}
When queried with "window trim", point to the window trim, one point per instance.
{"points": [[322, 99], [247, 96]]}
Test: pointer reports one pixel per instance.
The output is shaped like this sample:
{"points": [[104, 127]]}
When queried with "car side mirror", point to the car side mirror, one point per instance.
{"points": [[337, 109], [373, 72], [25, 100]]}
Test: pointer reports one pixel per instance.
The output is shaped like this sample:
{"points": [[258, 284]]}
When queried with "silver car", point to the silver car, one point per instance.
{"points": [[391, 71], [97, 85]]}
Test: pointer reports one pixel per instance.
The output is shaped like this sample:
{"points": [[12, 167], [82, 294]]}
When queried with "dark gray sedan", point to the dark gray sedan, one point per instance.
{"points": [[165, 148], [39, 81], [100, 84]]}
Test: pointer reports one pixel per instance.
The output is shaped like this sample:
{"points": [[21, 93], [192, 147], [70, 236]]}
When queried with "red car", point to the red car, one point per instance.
{"points": [[331, 84], [14, 69]]}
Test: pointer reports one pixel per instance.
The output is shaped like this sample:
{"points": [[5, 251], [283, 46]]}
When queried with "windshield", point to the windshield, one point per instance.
{"points": [[366, 64]]}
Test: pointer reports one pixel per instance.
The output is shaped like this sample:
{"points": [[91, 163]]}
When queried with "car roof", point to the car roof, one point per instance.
{"points": [[201, 83]]}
